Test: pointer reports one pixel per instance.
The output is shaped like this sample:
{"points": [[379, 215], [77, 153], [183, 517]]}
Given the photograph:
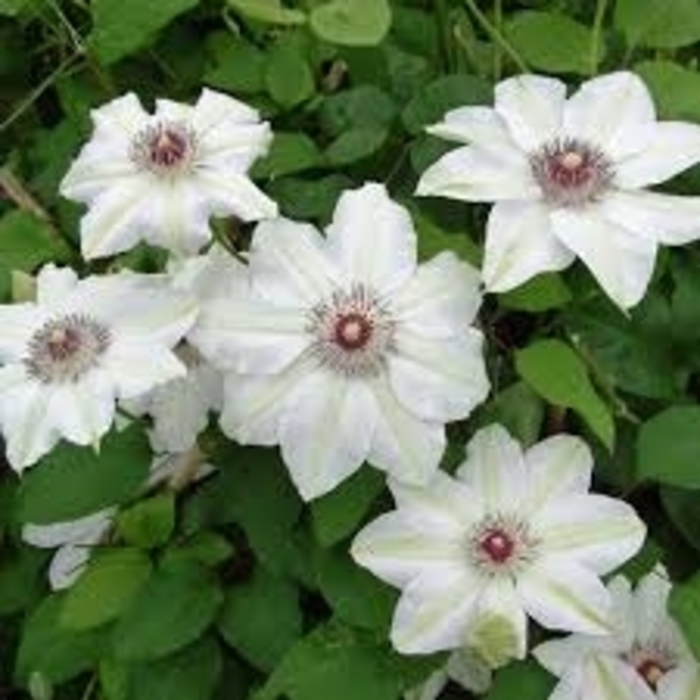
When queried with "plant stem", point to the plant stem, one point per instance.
{"points": [[600, 9], [496, 36], [442, 20], [497, 55]]}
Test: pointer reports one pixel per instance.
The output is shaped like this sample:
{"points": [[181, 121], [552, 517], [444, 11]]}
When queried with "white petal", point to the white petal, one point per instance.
{"points": [[403, 445], [562, 655], [649, 607], [398, 546], [288, 264], [520, 244], [171, 111], [433, 611], [494, 468], [99, 167], [85, 531], [18, 323], [139, 367], [440, 298], [372, 239], [249, 336], [468, 670], [216, 108], [430, 689], [665, 218], [440, 380], [570, 687], [599, 531], [608, 678], [116, 219], [559, 465], [672, 147], [480, 125], [620, 260], [232, 193], [54, 285], [252, 404], [612, 112], [564, 595], [124, 116], [477, 174], [532, 106], [67, 565], [325, 432], [682, 683]]}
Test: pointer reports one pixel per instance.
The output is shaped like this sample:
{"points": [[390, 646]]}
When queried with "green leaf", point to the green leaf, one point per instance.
{"points": [[290, 152], [345, 664], [681, 506], [104, 589], [11, 8], [26, 241], [684, 607], [288, 76], [438, 97], [205, 547], [55, 652], [433, 240], [71, 481], [663, 24], [559, 375], [149, 523], [531, 34], [524, 680], [336, 515], [120, 27], [676, 90], [309, 199], [261, 618], [171, 610], [268, 11], [668, 449], [190, 674], [21, 578], [542, 293], [355, 596], [352, 22], [362, 106], [355, 145], [235, 65]]}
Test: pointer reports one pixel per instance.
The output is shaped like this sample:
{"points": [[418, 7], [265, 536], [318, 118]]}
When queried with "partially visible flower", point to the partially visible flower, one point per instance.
{"points": [[74, 540], [161, 177], [66, 359], [511, 535], [645, 658], [568, 177], [464, 667], [343, 349]]}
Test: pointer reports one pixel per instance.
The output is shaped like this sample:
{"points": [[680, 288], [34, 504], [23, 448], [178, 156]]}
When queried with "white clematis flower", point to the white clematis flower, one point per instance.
{"points": [[344, 349], [67, 358], [645, 658], [568, 179], [161, 177], [510, 535]]}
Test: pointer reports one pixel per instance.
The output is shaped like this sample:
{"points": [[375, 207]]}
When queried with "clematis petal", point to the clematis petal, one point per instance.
{"points": [[650, 601], [288, 265], [18, 323], [520, 244], [325, 432], [120, 118], [406, 447], [614, 111], [598, 531], [216, 109], [67, 565], [440, 298], [482, 126], [494, 468], [563, 595], [562, 655], [439, 380], [665, 218], [245, 335], [621, 261], [433, 611], [532, 107], [570, 686], [682, 683], [232, 193], [86, 531], [372, 239], [671, 148], [608, 678], [55, 285], [558, 466], [398, 546], [99, 168], [477, 174]]}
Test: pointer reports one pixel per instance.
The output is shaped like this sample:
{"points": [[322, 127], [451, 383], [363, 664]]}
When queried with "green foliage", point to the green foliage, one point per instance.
{"points": [[524, 680], [352, 22], [676, 89], [658, 23], [268, 11], [148, 523], [684, 606], [26, 241]]}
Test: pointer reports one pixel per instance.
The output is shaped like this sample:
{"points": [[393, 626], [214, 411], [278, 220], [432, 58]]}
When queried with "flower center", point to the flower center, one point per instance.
{"points": [[64, 349], [166, 148], [353, 332], [501, 544], [651, 663], [571, 172]]}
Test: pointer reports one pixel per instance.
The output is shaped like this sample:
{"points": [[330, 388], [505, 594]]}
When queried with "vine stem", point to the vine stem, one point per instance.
{"points": [[496, 36], [601, 7], [497, 55]]}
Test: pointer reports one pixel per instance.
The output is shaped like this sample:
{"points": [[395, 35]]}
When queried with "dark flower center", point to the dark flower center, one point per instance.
{"points": [[166, 148]]}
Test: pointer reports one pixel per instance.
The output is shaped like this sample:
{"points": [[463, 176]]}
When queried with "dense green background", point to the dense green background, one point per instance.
{"points": [[232, 588]]}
